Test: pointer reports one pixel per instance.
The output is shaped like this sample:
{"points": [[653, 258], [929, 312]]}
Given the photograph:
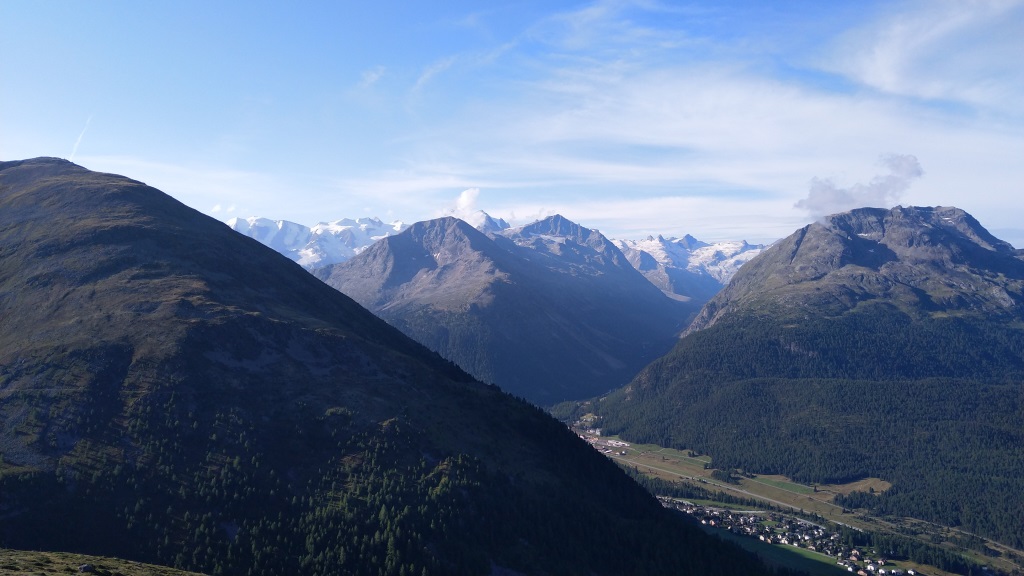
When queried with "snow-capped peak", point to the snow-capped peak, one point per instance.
{"points": [[720, 260], [320, 245]]}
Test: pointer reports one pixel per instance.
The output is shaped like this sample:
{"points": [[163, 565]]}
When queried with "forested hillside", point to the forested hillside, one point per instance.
{"points": [[890, 344], [176, 393], [933, 408]]}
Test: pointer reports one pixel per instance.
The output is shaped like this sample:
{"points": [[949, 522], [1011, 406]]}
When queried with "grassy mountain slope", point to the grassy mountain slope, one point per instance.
{"points": [[890, 344], [36, 563], [174, 392]]}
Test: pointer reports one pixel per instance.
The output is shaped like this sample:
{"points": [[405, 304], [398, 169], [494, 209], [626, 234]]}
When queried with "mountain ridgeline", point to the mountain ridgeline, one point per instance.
{"points": [[927, 262], [174, 392], [549, 311], [886, 343]]}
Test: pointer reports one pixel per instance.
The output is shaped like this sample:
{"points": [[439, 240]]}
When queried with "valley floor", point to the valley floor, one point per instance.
{"points": [[798, 505]]}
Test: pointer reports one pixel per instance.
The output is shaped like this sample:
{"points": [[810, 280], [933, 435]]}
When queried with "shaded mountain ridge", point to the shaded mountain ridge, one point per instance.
{"points": [[174, 392], [548, 311]]}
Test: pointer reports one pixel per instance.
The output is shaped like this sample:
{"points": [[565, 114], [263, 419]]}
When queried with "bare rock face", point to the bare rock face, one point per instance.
{"points": [[926, 261], [549, 311]]}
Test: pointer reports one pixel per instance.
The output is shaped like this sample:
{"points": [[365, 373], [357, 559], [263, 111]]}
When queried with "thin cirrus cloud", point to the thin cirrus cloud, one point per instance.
{"points": [[430, 72], [613, 118], [632, 116], [621, 114], [668, 128], [960, 51], [721, 218], [370, 77]]}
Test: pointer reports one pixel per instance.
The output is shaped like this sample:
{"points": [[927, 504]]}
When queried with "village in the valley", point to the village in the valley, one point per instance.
{"points": [[768, 526], [774, 528]]}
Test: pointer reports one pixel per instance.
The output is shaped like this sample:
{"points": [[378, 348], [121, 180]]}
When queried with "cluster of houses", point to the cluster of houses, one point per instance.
{"points": [[779, 529], [771, 528], [604, 445]]}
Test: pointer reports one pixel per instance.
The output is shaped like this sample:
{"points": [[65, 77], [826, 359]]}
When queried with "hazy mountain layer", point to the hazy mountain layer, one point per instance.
{"points": [[549, 311]]}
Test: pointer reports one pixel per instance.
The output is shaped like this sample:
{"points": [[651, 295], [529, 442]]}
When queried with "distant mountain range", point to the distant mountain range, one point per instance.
{"points": [[548, 311], [319, 245], [174, 392], [685, 266], [876, 343]]}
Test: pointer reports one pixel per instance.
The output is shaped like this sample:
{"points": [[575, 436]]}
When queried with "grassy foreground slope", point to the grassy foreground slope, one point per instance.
{"points": [[25, 562]]}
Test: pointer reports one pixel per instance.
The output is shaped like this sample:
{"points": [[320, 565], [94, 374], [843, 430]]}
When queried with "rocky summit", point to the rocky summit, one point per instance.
{"points": [[926, 261]]}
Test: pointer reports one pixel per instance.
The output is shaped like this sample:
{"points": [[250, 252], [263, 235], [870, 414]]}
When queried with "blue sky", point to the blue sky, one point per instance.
{"points": [[725, 120]]}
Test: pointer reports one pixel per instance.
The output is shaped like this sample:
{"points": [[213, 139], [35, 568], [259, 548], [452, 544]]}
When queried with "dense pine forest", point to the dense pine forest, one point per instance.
{"points": [[370, 510], [173, 392], [933, 406]]}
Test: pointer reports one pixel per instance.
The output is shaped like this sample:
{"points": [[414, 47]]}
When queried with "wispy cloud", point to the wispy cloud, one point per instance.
{"points": [[78, 141], [371, 76], [883, 191], [611, 29], [965, 52], [707, 218], [621, 122], [431, 72], [670, 127], [634, 115]]}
